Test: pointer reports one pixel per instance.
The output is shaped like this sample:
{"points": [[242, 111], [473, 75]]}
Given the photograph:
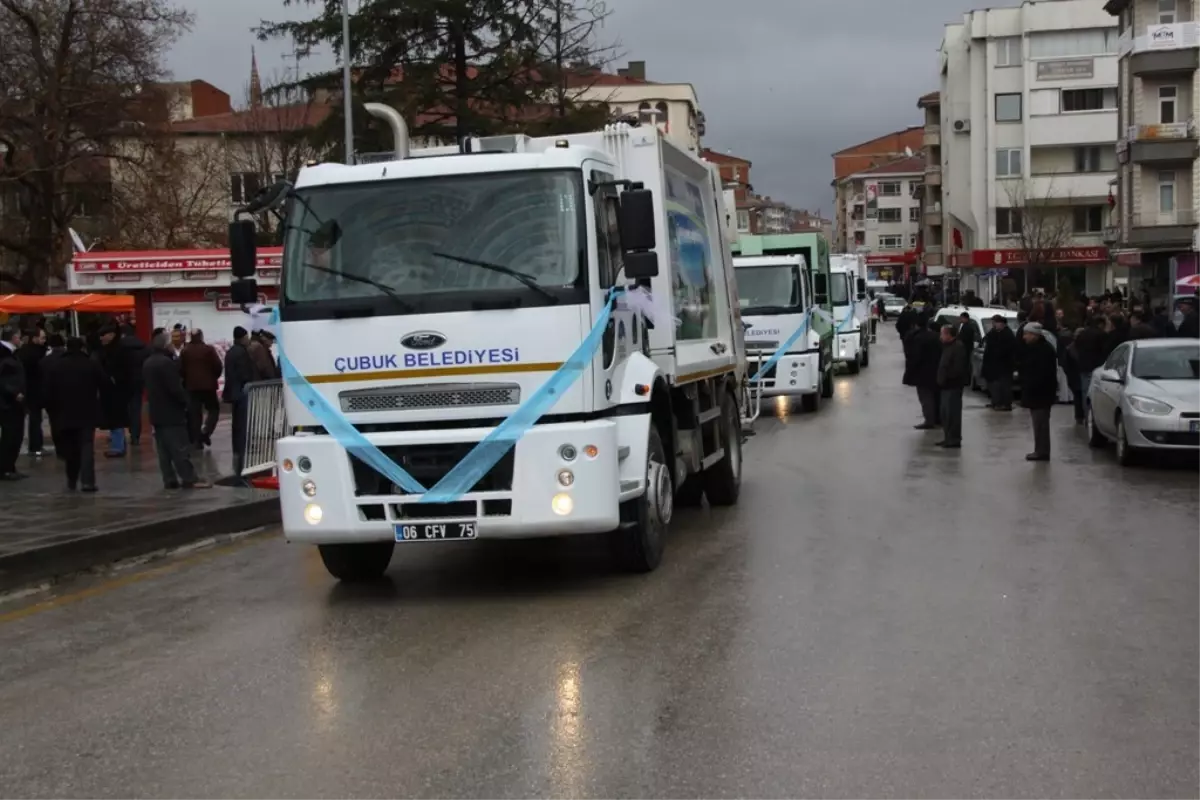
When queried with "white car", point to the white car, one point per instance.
{"points": [[1147, 397], [892, 305]]}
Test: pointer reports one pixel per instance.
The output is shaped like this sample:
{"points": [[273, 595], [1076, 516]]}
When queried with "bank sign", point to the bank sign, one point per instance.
{"points": [[1021, 258]]}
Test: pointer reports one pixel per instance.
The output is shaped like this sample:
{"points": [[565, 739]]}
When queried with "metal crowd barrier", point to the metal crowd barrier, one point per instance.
{"points": [[265, 424]]}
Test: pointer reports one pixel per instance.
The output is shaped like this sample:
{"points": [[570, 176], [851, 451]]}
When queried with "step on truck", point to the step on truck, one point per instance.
{"points": [[851, 311], [511, 338], [783, 346]]}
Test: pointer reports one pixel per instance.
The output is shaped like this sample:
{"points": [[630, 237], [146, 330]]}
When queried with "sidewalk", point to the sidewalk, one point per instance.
{"points": [[49, 531]]}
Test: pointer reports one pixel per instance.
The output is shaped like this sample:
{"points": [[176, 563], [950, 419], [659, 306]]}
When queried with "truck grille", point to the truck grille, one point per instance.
{"points": [[761, 347], [429, 463], [442, 395]]}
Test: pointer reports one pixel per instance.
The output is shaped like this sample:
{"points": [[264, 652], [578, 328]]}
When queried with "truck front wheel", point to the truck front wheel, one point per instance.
{"points": [[638, 543], [356, 562], [723, 480]]}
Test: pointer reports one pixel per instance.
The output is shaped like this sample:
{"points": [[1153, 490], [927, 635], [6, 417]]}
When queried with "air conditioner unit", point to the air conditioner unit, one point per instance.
{"points": [[962, 126]]}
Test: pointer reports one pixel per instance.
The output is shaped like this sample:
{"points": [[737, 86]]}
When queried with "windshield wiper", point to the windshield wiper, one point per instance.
{"points": [[524, 278], [405, 306]]}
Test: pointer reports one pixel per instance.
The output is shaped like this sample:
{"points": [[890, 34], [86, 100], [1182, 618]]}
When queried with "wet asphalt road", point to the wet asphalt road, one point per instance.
{"points": [[877, 618]]}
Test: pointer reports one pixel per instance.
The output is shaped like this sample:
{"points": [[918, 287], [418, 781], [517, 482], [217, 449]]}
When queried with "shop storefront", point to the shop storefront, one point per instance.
{"points": [[993, 273]]}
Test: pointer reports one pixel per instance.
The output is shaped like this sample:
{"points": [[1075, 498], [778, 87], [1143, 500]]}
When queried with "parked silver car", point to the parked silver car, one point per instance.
{"points": [[1147, 397]]}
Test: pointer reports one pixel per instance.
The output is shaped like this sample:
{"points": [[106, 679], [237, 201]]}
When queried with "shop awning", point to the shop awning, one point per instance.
{"points": [[51, 303]]}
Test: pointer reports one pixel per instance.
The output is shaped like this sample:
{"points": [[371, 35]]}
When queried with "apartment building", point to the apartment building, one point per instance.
{"points": [[932, 255], [1158, 183], [857, 158], [883, 214], [735, 178], [673, 107], [1028, 106]]}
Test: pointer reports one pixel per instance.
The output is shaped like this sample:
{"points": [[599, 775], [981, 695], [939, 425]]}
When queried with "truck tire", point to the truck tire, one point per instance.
{"points": [[853, 366], [866, 359], [811, 403], [356, 562], [690, 494], [723, 480], [638, 543], [827, 382]]}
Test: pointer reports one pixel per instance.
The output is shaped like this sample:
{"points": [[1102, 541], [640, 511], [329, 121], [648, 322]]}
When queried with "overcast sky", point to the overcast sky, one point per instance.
{"points": [[791, 82]]}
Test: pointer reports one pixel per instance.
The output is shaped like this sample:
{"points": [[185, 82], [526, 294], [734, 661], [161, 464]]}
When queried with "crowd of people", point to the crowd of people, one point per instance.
{"points": [[1079, 340], [105, 384]]}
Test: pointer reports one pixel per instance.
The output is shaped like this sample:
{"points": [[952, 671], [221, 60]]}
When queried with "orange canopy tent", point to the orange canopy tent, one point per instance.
{"points": [[50, 303]]}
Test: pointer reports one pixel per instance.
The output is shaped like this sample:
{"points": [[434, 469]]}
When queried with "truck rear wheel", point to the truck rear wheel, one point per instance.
{"points": [[810, 403], [853, 366], [638, 543], [866, 355], [355, 562], [723, 480], [827, 383]]}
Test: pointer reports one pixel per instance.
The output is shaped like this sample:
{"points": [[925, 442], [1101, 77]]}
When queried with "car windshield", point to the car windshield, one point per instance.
{"points": [[1176, 362], [768, 288], [839, 289], [435, 235]]}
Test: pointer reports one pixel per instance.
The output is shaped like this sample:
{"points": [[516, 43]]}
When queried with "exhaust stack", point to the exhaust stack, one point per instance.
{"points": [[395, 122]]}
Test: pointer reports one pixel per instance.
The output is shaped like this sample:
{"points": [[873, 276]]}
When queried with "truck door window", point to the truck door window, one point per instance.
{"points": [[608, 240]]}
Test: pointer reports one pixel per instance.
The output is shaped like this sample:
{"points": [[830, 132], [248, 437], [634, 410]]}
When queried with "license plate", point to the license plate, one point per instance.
{"points": [[1194, 426], [435, 531]]}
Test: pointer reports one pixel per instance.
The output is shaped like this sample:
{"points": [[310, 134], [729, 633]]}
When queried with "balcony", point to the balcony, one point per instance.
{"points": [[1163, 49], [1073, 187], [1111, 234], [1164, 144], [933, 256], [1072, 129], [933, 175], [1163, 229], [933, 136], [932, 216]]}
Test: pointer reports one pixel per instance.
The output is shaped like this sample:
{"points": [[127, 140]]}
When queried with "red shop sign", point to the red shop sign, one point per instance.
{"points": [[1018, 257], [167, 260]]}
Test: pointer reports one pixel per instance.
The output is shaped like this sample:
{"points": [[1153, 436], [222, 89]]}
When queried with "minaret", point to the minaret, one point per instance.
{"points": [[255, 83]]}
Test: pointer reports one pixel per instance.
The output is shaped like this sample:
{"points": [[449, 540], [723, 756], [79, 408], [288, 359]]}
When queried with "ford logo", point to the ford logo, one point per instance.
{"points": [[423, 340]]}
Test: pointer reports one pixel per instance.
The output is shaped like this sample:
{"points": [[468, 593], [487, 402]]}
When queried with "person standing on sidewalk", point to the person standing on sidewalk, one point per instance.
{"points": [[953, 373], [1039, 387], [74, 386], [30, 353], [999, 363], [239, 371], [168, 403], [1089, 352], [265, 368], [115, 363], [12, 403], [136, 352], [201, 370], [58, 348]]}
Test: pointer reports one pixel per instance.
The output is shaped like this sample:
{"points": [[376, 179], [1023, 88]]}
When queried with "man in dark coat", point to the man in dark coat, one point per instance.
{"points": [[1039, 387], [12, 403], [114, 360], [953, 373], [239, 371], [1189, 328], [168, 403], [1089, 351], [135, 351], [57, 347], [1139, 326], [907, 318], [922, 351], [1116, 333], [966, 332], [999, 362], [74, 385], [201, 370], [30, 353], [265, 368]]}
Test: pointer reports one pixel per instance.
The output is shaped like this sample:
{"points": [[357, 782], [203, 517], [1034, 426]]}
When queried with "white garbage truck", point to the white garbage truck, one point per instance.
{"points": [[783, 339], [851, 311], [511, 338]]}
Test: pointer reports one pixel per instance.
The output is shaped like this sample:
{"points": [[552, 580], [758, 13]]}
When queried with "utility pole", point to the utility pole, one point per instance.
{"points": [[349, 132]]}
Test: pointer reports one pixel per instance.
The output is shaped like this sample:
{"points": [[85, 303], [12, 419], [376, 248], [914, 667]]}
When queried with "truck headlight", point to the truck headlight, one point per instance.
{"points": [[313, 513], [562, 504], [1148, 405]]}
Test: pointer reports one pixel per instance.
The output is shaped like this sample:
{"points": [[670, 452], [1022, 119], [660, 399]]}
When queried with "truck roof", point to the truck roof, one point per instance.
{"points": [[769, 261]]}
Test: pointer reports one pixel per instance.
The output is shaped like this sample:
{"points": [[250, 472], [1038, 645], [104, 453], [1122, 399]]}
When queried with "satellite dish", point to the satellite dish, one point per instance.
{"points": [[908, 152]]}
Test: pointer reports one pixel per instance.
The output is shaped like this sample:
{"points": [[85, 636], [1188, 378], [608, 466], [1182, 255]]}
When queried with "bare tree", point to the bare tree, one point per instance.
{"points": [[73, 80], [1042, 223]]}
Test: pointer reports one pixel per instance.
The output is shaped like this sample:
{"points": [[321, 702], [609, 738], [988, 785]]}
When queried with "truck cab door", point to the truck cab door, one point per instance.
{"points": [[625, 332]]}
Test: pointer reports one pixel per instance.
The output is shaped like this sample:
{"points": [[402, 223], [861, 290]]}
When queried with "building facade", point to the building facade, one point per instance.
{"points": [[856, 159], [1028, 107], [883, 215], [933, 250], [673, 107], [1158, 183]]}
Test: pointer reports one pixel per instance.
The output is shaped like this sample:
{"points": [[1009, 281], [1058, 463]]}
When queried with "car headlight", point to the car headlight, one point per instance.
{"points": [[1147, 405]]}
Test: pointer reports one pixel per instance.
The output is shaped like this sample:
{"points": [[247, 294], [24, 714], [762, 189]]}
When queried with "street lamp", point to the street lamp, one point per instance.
{"points": [[349, 130]]}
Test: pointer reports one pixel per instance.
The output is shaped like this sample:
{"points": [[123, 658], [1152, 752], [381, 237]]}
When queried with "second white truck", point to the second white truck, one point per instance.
{"points": [[851, 311]]}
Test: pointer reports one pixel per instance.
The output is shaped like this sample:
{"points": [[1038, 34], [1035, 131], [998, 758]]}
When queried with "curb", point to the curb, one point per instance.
{"points": [[18, 570]]}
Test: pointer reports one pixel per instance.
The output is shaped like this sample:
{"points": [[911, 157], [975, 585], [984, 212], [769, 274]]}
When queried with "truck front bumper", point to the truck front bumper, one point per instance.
{"points": [[515, 499], [793, 375]]}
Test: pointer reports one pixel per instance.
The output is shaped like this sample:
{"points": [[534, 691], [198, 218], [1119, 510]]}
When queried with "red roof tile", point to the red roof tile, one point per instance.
{"points": [[902, 166]]}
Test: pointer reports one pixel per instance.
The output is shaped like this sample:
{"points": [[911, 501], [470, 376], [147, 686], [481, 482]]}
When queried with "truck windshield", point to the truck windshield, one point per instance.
{"points": [[768, 289], [445, 237], [839, 289]]}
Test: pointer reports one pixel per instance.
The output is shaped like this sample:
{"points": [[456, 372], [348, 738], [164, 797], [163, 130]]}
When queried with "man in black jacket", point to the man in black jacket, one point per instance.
{"points": [[74, 386], [1039, 387], [922, 351], [168, 414], [12, 404], [239, 371], [136, 352], [1089, 351], [30, 353], [999, 362], [967, 332], [58, 347], [953, 373], [1189, 327]]}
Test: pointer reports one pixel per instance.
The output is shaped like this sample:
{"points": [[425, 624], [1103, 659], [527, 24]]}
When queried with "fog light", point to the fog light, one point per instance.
{"points": [[562, 504], [287, 465], [313, 513], [304, 464], [591, 451], [565, 477], [567, 452], [793, 373], [309, 488]]}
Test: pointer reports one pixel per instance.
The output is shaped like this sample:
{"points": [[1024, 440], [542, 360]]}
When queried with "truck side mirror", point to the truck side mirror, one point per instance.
{"points": [[243, 292], [635, 220], [643, 265], [821, 288], [862, 289], [243, 252]]}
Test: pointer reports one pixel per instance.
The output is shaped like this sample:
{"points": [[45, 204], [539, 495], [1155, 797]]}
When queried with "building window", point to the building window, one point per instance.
{"points": [[889, 189], [1094, 158], [1008, 108], [914, 213], [743, 217], [1167, 97], [1166, 12], [1089, 99], [1008, 162], [1088, 219], [1166, 192], [1008, 222], [912, 240], [1072, 43], [860, 238], [243, 186], [889, 215], [1008, 51], [891, 242]]}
